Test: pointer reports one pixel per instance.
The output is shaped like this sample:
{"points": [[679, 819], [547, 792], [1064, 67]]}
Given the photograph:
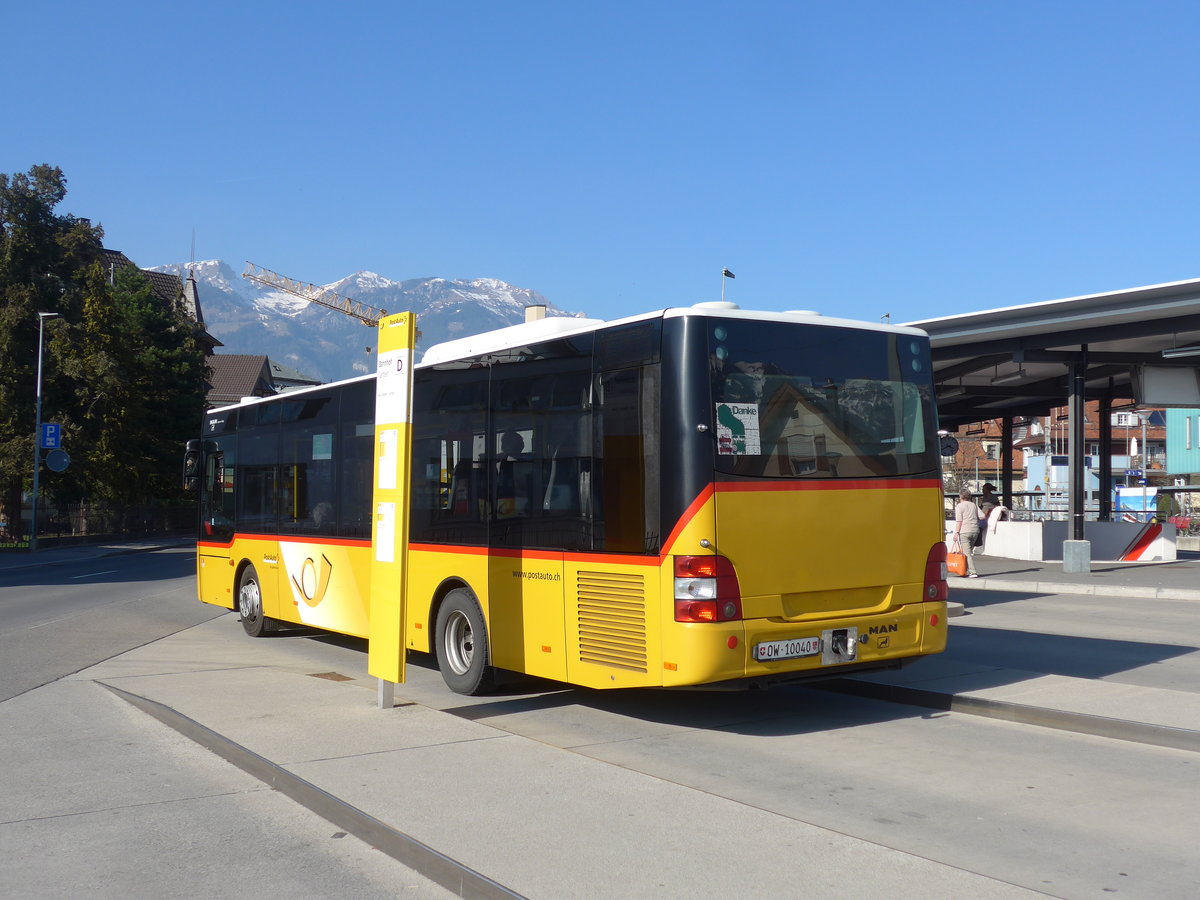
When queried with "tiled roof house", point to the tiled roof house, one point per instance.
{"points": [[168, 288], [236, 375]]}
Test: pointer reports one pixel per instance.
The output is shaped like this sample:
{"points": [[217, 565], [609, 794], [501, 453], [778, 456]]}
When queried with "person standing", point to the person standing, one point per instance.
{"points": [[988, 500], [966, 528]]}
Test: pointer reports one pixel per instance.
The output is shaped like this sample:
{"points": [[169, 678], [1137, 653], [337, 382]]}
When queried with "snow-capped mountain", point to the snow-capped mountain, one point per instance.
{"points": [[249, 318]]}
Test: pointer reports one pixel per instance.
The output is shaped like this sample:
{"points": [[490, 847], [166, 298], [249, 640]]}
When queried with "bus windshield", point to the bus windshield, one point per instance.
{"points": [[820, 401]]}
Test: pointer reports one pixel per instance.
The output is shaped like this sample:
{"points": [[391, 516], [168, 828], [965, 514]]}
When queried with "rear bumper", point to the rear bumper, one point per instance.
{"points": [[881, 641]]}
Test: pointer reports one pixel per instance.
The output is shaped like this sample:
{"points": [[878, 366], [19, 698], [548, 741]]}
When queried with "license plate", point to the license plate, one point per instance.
{"points": [[796, 647]]}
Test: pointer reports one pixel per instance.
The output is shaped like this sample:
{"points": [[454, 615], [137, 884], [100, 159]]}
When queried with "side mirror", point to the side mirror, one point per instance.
{"points": [[191, 466]]}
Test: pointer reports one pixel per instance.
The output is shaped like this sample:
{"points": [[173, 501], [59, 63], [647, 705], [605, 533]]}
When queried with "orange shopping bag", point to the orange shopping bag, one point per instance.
{"points": [[956, 560], [956, 563]]}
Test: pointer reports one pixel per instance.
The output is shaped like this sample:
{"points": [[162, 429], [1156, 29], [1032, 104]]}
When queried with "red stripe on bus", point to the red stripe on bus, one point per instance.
{"points": [[688, 514], [615, 559], [450, 548], [862, 484], [576, 556], [288, 539]]}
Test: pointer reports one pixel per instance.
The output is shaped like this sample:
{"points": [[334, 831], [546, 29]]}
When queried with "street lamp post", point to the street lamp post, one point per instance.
{"points": [[37, 434]]}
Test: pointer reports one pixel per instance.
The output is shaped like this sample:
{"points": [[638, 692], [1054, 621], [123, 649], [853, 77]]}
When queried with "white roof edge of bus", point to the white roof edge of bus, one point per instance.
{"points": [[308, 389], [808, 316], [564, 326], [505, 338]]}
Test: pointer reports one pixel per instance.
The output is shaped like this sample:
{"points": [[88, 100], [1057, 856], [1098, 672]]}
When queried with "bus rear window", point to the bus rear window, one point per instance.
{"points": [[795, 401]]}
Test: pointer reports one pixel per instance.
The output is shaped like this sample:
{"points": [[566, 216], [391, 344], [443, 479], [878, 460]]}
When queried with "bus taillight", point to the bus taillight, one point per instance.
{"points": [[935, 573], [706, 590]]}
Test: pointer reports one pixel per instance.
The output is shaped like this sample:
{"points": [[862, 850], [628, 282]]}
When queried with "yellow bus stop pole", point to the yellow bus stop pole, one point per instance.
{"points": [[389, 530]]}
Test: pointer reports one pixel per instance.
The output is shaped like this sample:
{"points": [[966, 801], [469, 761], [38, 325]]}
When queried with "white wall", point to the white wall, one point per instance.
{"points": [[1043, 540]]}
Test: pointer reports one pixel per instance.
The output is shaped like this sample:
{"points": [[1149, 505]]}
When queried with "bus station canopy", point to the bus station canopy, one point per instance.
{"points": [[1016, 361]]}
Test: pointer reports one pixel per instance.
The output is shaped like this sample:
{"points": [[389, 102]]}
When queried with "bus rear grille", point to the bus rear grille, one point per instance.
{"points": [[611, 611]]}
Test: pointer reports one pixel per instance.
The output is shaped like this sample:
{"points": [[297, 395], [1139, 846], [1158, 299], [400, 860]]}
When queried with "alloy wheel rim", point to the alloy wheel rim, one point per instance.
{"points": [[249, 601], [459, 643]]}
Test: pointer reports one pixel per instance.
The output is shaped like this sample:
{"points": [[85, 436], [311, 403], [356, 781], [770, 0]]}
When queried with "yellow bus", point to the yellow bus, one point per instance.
{"points": [[701, 496]]}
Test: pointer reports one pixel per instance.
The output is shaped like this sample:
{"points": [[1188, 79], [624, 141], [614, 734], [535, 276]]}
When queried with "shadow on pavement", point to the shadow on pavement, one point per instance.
{"points": [[1051, 654], [156, 565]]}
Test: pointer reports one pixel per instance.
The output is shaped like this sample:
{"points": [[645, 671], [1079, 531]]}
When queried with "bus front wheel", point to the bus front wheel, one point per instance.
{"points": [[462, 644], [250, 607]]}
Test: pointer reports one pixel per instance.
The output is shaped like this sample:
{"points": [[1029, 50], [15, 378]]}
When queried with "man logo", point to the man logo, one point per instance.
{"points": [[312, 583]]}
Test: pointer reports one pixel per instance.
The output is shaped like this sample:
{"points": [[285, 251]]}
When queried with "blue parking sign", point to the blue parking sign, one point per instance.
{"points": [[51, 436]]}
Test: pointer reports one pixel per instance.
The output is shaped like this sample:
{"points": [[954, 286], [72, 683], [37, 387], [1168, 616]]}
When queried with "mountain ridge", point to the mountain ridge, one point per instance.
{"points": [[323, 343]]}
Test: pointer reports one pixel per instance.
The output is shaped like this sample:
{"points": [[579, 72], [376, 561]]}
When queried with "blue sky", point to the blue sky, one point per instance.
{"points": [[860, 158]]}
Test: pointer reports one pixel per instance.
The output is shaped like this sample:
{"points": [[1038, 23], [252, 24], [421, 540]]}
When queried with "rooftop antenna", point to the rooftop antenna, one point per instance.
{"points": [[886, 318]]}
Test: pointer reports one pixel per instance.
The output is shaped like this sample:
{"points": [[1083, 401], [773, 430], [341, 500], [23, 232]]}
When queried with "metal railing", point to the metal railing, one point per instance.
{"points": [[1025, 508], [60, 524]]}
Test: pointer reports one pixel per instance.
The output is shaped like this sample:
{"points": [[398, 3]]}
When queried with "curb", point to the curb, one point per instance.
{"points": [[421, 858], [1060, 719], [984, 583]]}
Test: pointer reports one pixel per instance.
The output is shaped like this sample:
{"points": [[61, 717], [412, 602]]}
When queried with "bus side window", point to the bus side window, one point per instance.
{"points": [[562, 465], [449, 422], [625, 491], [462, 490]]}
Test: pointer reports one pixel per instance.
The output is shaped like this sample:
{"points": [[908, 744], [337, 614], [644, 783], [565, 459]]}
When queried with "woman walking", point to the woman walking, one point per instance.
{"points": [[966, 528]]}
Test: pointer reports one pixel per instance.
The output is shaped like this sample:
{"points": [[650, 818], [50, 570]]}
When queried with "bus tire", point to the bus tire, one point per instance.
{"points": [[250, 606], [462, 648]]}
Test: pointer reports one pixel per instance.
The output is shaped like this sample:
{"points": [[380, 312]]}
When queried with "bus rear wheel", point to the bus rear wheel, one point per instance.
{"points": [[250, 607], [462, 648]]}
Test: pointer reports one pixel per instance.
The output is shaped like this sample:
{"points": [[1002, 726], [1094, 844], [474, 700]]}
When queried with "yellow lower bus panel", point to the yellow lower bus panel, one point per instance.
{"points": [[595, 620]]}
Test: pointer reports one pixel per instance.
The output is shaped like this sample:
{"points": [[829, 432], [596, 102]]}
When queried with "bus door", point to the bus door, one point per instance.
{"points": [[525, 568], [540, 449], [259, 500], [214, 581], [612, 592]]}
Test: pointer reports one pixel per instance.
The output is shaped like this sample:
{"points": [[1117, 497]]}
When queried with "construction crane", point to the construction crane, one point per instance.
{"points": [[368, 315]]}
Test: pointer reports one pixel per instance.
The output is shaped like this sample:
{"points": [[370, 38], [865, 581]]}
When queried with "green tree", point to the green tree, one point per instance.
{"points": [[125, 374], [139, 380], [41, 256]]}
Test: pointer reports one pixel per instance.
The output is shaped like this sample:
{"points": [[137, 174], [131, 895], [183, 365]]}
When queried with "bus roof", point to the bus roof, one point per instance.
{"points": [[296, 392], [514, 336]]}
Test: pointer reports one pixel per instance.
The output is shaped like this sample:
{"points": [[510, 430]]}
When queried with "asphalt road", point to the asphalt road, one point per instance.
{"points": [[56, 620]]}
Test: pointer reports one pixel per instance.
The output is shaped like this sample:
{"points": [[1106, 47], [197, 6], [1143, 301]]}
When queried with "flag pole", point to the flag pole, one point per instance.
{"points": [[725, 273]]}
